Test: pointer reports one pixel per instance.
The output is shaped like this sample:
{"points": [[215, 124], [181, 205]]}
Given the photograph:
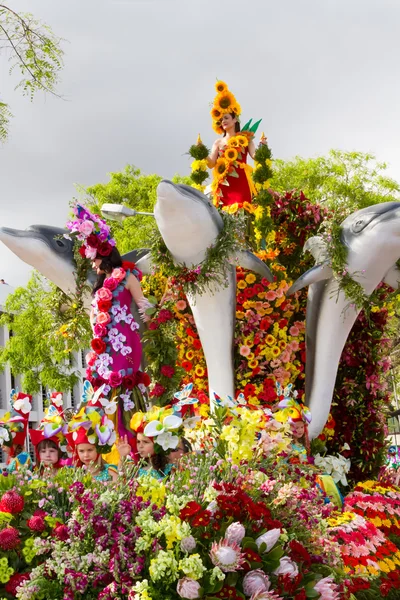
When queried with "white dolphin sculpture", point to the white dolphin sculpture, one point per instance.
{"points": [[372, 239], [189, 224]]}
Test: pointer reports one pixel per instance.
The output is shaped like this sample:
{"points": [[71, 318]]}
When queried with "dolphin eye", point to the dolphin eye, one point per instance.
{"points": [[60, 243], [358, 225]]}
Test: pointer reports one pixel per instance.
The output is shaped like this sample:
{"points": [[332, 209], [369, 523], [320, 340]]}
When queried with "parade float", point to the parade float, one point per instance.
{"points": [[235, 349]]}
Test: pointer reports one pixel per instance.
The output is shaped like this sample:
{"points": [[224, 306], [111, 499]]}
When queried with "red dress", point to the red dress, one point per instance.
{"points": [[238, 191]]}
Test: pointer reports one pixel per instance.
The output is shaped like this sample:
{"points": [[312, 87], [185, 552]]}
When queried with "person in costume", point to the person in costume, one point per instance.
{"points": [[175, 455], [232, 181], [158, 432], [299, 417], [116, 350], [13, 431], [49, 438]]}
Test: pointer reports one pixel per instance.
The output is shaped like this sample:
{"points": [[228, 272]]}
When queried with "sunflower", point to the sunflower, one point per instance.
{"points": [[221, 168], [276, 351], [242, 140], [270, 340], [233, 142], [216, 114], [189, 355], [236, 108], [253, 364], [225, 101], [231, 154], [221, 86]]}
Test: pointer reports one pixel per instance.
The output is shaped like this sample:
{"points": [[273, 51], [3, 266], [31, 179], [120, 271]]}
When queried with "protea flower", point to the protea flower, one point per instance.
{"points": [[226, 555]]}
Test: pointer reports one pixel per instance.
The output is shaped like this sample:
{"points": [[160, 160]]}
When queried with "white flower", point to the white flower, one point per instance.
{"points": [[167, 440], [23, 404], [4, 435], [235, 532], [269, 539], [156, 428], [287, 567], [336, 466]]}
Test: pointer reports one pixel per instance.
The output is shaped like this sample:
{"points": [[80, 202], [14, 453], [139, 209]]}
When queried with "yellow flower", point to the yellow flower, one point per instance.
{"points": [[216, 113], [248, 342], [231, 154], [383, 566], [250, 278], [224, 102], [276, 351], [199, 371], [199, 165], [253, 364], [189, 354], [239, 314], [221, 86], [231, 209], [270, 340], [233, 142], [241, 284], [221, 168], [242, 140]]}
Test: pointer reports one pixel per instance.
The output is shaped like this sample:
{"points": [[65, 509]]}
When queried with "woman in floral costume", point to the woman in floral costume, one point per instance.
{"points": [[232, 183], [114, 361]]}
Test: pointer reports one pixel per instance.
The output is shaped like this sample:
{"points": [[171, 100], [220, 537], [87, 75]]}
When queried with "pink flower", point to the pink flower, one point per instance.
{"points": [[86, 228], [103, 294], [227, 556], [103, 318], [255, 582], [244, 351], [266, 596], [269, 539], [235, 533], [91, 358], [188, 588], [270, 295], [90, 252], [327, 588], [99, 330], [119, 274], [294, 331], [110, 283], [181, 305], [167, 371], [115, 379], [287, 567], [188, 544]]}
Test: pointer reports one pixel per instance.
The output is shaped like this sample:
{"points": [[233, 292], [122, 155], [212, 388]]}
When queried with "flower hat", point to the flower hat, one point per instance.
{"points": [[160, 424], [292, 411], [53, 426], [14, 424], [92, 231], [91, 425], [224, 102]]}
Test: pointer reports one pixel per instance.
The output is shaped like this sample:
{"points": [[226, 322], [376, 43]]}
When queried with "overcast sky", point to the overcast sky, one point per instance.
{"points": [[139, 77]]}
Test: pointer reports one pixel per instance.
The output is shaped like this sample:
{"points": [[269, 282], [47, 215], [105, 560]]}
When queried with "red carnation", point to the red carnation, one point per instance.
{"points": [[98, 345], [9, 538], [37, 523], [104, 305], [60, 531], [104, 249], [92, 240], [82, 251], [164, 315], [14, 582], [12, 502], [153, 325], [158, 390], [167, 371]]}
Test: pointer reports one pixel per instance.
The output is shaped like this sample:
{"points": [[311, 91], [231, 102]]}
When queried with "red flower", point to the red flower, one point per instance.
{"points": [[201, 519], [92, 240], [98, 345], [143, 378], [157, 391], [189, 510], [164, 315], [60, 531], [299, 553], [301, 595], [9, 538], [153, 325], [385, 588], [191, 333], [187, 365], [249, 292], [82, 251], [129, 382], [12, 502], [196, 344], [167, 371], [37, 523], [249, 390], [115, 379], [104, 305], [104, 249], [251, 555], [14, 582]]}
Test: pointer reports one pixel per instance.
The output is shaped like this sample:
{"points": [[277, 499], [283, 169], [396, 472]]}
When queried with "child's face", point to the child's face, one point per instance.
{"points": [[175, 455], [48, 456], [87, 453], [145, 446], [297, 429]]}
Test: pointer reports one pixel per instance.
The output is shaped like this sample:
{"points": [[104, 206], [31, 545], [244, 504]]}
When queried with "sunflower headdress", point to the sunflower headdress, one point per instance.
{"points": [[161, 425], [224, 102], [14, 424]]}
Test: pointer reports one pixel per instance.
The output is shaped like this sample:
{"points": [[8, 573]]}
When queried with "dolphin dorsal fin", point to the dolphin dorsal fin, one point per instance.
{"points": [[247, 260], [313, 275], [392, 277]]}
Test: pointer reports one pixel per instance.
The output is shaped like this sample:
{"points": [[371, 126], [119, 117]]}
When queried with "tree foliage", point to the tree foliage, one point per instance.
{"points": [[34, 51], [36, 349], [137, 191], [341, 180]]}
